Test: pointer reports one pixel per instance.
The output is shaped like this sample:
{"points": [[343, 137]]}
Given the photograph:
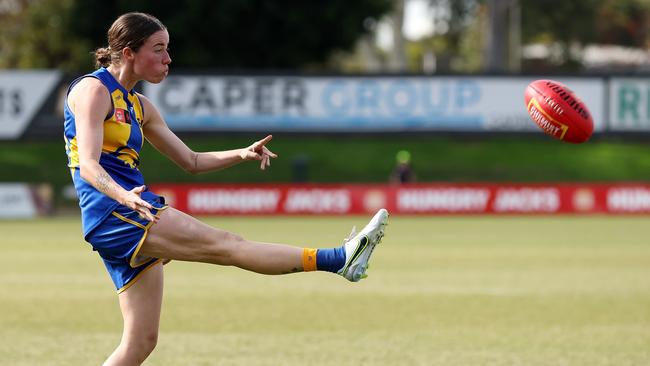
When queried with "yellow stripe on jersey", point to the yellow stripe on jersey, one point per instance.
{"points": [[116, 135], [118, 99], [139, 113], [117, 132], [137, 107], [73, 153], [117, 129]]}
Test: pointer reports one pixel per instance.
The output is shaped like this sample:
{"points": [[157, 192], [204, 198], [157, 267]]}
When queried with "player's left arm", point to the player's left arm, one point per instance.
{"points": [[164, 140]]}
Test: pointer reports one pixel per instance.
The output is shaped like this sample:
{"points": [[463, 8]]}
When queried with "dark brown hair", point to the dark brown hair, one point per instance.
{"points": [[129, 30]]}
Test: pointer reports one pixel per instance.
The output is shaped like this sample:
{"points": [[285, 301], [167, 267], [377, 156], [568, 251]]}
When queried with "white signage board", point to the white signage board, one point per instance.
{"points": [[22, 94], [16, 201], [629, 104], [355, 104]]}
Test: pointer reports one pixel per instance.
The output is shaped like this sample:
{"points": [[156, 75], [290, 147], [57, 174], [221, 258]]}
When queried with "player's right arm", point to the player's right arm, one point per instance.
{"points": [[90, 102]]}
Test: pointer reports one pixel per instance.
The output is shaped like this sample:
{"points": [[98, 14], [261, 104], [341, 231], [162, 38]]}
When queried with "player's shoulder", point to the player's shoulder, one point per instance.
{"points": [[145, 102], [89, 90], [149, 109], [89, 86], [143, 99]]}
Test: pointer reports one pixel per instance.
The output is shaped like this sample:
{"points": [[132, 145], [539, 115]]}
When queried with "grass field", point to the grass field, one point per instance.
{"points": [[442, 291]]}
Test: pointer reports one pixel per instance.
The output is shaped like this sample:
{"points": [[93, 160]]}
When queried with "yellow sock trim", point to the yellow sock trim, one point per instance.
{"points": [[309, 259]]}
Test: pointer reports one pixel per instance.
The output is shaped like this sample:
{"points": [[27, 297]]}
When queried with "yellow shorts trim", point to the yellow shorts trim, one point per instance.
{"points": [[137, 277], [128, 220], [135, 261]]}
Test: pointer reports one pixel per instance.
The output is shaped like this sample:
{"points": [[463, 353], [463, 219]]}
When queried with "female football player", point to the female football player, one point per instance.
{"points": [[131, 227]]}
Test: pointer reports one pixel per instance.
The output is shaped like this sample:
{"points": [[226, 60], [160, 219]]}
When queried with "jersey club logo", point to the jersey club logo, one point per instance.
{"points": [[122, 116]]}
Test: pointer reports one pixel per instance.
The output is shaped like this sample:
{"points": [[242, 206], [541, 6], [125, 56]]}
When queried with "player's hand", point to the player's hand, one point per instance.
{"points": [[259, 151], [133, 201]]}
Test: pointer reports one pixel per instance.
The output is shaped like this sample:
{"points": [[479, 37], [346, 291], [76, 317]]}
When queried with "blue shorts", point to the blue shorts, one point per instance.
{"points": [[118, 239]]}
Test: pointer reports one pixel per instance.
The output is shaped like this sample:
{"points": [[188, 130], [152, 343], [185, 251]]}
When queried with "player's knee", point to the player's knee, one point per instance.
{"points": [[234, 239], [147, 344], [232, 244], [140, 347], [150, 340], [225, 248]]}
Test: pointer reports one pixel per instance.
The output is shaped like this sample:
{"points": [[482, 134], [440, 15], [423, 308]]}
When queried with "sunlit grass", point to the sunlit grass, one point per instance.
{"points": [[442, 291]]}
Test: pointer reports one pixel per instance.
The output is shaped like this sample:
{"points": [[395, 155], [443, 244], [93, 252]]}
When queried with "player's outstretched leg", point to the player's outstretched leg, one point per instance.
{"points": [[181, 237]]}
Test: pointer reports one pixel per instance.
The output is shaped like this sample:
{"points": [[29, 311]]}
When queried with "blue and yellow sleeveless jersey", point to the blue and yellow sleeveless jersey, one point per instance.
{"points": [[123, 140]]}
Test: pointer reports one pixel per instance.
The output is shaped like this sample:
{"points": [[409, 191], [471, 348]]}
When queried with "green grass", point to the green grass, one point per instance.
{"points": [[442, 291], [369, 159]]}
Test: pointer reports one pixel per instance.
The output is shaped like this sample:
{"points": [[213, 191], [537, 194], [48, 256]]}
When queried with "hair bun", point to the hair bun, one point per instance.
{"points": [[103, 57]]}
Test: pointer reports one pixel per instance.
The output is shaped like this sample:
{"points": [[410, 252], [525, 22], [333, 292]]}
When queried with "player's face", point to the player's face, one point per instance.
{"points": [[152, 59]]}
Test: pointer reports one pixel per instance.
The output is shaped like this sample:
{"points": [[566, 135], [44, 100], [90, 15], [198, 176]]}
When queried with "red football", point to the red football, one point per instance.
{"points": [[558, 111]]}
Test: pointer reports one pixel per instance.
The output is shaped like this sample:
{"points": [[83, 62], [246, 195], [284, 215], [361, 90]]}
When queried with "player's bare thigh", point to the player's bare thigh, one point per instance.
{"points": [[182, 237]]}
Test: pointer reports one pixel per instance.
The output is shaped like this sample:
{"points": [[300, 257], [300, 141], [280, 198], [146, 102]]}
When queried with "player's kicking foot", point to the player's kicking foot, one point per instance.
{"points": [[359, 247]]}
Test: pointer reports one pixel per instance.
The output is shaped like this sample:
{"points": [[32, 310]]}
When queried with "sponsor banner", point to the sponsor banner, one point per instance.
{"points": [[16, 201], [629, 104], [22, 94], [425, 199], [355, 104], [629, 199]]}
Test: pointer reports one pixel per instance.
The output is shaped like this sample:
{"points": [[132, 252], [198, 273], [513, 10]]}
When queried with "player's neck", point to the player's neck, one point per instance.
{"points": [[123, 75]]}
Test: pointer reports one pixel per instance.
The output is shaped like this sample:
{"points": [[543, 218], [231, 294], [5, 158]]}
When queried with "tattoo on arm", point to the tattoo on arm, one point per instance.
{"points": [[103, 181], [196, 161]]}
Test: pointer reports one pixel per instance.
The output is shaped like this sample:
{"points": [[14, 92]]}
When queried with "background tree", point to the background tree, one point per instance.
{"points": [[33, 35], [453, 21], [565, 30], [274, 34], [575, 24], [225, 34], [628, 23]]}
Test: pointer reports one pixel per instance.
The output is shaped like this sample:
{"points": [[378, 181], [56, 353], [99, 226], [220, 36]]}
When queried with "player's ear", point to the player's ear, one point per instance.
{"points": [[127, 53]]}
